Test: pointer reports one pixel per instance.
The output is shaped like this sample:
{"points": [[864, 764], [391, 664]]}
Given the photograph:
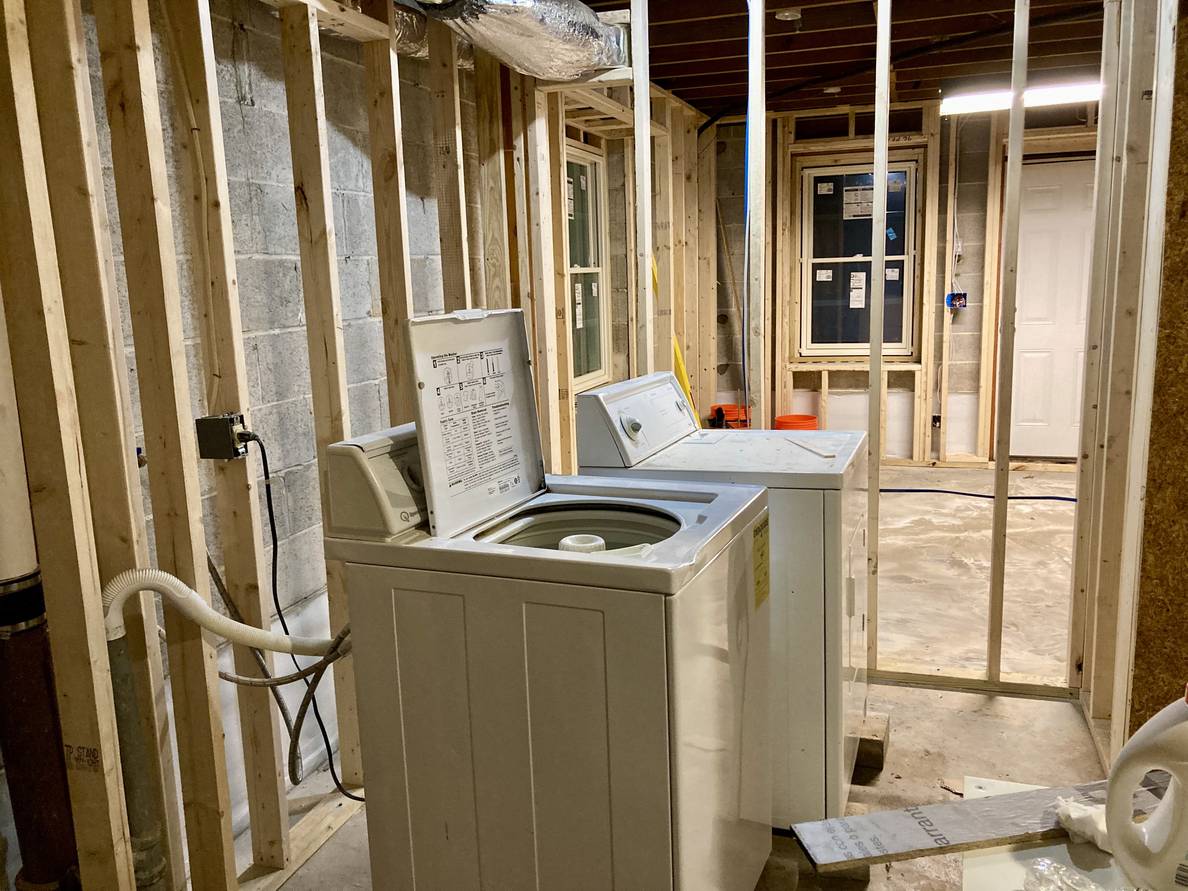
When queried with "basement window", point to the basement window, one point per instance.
{"points": [[589, 297], [836, 246]]}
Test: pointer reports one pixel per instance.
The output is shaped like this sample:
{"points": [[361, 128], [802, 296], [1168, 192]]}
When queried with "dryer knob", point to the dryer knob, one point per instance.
{"points": [[631, 426]]}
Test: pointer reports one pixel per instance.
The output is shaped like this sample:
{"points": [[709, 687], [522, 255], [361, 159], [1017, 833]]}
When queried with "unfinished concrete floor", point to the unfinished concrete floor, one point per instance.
{"points": [[934, 578], [937, 739]]}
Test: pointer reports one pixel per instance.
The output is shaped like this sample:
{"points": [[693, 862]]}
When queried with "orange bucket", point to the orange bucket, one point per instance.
{"points": [[733, 416], [795, 422]]}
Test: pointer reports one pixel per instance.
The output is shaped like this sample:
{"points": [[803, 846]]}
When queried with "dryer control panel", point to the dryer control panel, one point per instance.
{"points": [[624, 423]]}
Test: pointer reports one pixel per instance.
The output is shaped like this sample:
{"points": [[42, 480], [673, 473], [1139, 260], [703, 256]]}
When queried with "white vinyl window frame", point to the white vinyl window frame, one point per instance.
{"points": [[911, 259], [580, 153]]}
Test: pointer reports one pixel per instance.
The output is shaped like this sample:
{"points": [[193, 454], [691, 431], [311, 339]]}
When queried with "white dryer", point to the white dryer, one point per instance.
{"points": [[536, 712], [816, 485]]}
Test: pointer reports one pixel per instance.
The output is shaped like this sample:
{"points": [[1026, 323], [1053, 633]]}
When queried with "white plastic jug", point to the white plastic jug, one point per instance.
{"points": [[1153, 854]]}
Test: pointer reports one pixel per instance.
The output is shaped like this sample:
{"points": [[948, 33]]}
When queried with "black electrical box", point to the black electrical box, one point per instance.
{"points": [[218, 436]]}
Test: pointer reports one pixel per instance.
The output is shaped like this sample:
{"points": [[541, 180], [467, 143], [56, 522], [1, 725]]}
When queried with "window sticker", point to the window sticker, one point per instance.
{"points": [[824, 188], [824, 275], [892, 273], [579, 318], [857, 290]]}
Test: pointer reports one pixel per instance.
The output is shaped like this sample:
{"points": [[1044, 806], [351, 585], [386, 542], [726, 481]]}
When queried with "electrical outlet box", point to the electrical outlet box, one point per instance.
{"points": [[218, 436], [957, 300]]}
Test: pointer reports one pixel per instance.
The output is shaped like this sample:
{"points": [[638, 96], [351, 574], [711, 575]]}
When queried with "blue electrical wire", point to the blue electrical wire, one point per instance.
{"points": [[896, 491]]}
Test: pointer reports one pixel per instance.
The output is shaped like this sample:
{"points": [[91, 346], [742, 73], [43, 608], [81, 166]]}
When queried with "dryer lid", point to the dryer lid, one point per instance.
{"points": [[476, 416]]}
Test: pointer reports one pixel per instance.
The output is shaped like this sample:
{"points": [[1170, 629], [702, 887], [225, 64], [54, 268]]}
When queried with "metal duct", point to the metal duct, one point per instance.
{"points": [[412, 39], [548, 39]]}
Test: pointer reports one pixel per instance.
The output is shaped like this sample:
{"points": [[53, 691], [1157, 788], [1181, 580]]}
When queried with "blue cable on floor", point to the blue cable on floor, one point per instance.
{"points": [[1067, 498]]}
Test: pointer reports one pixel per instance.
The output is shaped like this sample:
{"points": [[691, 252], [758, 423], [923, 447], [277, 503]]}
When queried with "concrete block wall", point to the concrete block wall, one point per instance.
{"points": [[255, 130]]}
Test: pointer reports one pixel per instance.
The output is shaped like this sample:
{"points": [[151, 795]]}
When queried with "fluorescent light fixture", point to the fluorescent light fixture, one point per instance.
{"points": [[1033, 97]]}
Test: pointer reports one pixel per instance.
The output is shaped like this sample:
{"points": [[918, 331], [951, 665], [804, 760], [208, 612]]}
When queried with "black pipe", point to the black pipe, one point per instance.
{"points": [[31, 741]]}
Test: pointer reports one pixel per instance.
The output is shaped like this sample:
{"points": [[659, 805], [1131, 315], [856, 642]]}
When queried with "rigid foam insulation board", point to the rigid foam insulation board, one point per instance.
{"points": [[887, 836]]}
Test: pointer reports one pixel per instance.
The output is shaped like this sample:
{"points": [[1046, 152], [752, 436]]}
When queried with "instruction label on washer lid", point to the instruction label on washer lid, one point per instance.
{"points": [[761, 556], [476, 421]]}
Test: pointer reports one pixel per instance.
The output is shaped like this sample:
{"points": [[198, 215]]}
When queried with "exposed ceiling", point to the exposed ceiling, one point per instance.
{"points": [[698, 48]]}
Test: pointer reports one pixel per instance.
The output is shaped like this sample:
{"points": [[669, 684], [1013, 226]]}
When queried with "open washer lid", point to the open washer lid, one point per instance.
{"points": [[476, 416]]}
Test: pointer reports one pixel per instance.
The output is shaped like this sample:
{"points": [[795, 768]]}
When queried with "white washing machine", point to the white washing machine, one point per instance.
{"points": [[816, 485], [531, 715]]}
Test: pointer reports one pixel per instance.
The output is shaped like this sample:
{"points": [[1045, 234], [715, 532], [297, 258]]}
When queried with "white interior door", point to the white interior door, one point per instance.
{"points": [[1055, 236]]}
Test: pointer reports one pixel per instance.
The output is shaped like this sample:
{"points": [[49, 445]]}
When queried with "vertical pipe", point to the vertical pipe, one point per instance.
{"points": [[645, 297], [754, 332], [878, 228], [1006, 340]]}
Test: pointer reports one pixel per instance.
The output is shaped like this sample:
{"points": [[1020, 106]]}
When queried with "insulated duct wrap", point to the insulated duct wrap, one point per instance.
{"points": [[547, 39], [412, 40]]}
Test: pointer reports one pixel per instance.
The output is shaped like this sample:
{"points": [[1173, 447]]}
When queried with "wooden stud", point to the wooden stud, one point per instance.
{"points": [[73, 167], [448, 176], [386, 130], [544, 276], [142, 193], [191, 43], [1006, 341], [302, 57], [492, 185], [691, 343], [823, 401], [1118, 376], [876, 398], [341, 18], [707, 264], [922, 447], [44, 385], [947, 314], [1154, 488], [784, 249], [990, 284], [520, 117], [645, 297], [1108, 157], [755, 284], [663, 243], [559, 239], [676, 140]]}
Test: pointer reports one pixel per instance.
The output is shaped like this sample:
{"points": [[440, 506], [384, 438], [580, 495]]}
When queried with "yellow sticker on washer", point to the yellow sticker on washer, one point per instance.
{"points": [[761, 554]]}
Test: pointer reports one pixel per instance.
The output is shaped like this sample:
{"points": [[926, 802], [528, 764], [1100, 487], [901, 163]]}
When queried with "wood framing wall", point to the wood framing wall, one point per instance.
{"points": [[237, 263]]}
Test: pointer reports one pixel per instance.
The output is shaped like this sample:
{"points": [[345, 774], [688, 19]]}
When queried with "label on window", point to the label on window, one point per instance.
{"points": [[892, 273], [859, 203], [824, 275], [579, 319], [894, 185], [569, 196], [824, 188], [857, 290], [594, 290], [582, 178]]}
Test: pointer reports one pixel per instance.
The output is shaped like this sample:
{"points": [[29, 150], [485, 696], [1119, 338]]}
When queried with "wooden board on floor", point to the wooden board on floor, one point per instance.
{"points": [[872, 743], [327, 815], [930, 830]]}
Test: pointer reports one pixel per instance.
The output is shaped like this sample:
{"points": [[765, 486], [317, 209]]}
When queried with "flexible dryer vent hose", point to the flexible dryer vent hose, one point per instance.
{"points": [[186, 601]]}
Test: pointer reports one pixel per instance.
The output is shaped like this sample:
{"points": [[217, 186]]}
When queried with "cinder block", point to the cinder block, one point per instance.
{"points": [[350, 163], [369, 406], [302, 496], [363, 342], [346, 105], [357, 232], [270, 293], [276, 215], [278, 365], [245, 200], [424, 237], [287, 430], [267, 132], [963, 377], [428, 290], [236, 143], [359, 282]]}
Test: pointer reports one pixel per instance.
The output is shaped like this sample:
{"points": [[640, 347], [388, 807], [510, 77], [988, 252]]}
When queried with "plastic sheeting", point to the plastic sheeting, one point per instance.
{"points": [[549, 39]]}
